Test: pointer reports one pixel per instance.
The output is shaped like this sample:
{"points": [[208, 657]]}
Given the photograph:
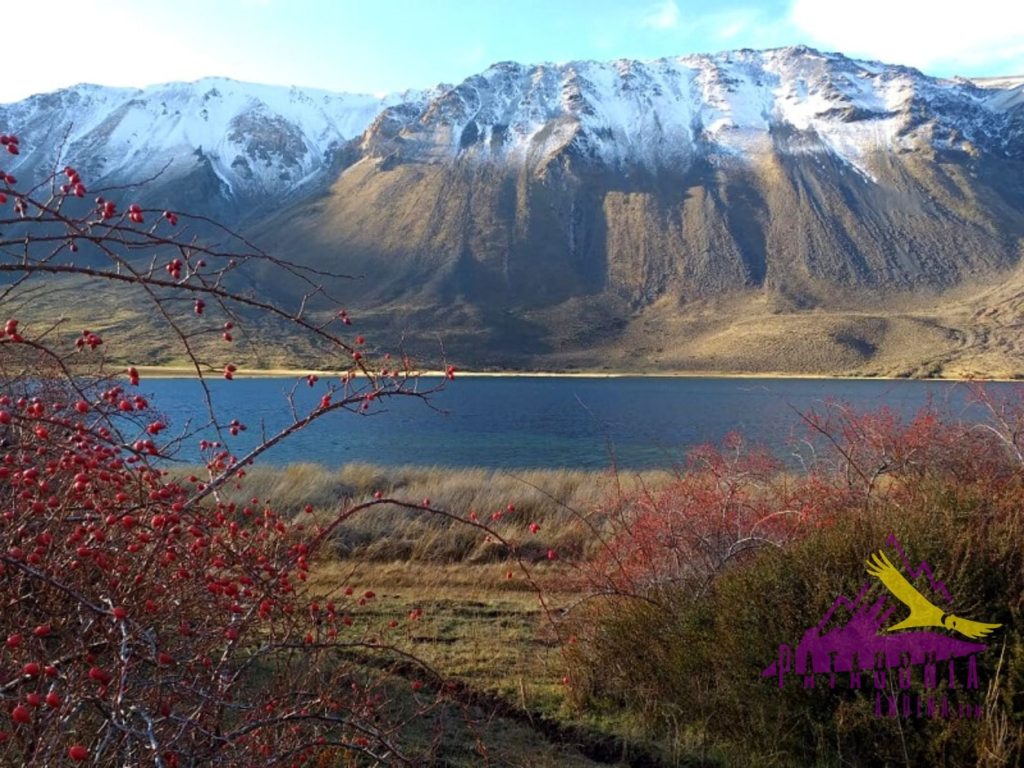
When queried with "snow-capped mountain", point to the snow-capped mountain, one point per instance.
{"points": [[666, 113], [699, 175], [550, 211], [674, 209], [244, 144]]}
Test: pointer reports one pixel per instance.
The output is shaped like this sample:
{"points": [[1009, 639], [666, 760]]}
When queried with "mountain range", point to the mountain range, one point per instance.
{"points": [[785, 210]]}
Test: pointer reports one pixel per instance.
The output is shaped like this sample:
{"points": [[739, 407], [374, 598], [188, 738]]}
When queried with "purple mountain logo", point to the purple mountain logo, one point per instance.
{"points": [[857, 636]]}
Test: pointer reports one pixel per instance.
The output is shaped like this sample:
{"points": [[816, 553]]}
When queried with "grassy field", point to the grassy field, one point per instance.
{"points": [[496, 639], [544, 667], [488, 622], [561, 502]]}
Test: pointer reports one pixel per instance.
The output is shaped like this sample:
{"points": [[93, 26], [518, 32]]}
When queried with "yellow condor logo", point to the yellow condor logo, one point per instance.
{"points": [[922, 612]]}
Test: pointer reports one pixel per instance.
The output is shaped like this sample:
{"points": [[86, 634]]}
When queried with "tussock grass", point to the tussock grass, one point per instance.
{"points": [[556, 499]]}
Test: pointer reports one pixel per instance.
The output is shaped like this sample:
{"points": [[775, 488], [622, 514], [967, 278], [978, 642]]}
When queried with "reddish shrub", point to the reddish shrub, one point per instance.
{"points": [[148, 622], [679, 601]]}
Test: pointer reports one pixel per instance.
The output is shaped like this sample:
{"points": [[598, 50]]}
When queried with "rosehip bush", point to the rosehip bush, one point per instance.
{"points": [[145, 620], [726, 502]]}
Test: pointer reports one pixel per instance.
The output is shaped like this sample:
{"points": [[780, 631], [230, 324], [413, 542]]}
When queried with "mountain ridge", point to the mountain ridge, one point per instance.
{"points": [[684, 213], [245, 144]]}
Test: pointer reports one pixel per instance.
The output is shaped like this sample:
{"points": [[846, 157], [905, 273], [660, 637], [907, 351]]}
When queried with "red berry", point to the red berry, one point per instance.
{"points": [[78, 753], [31, 669], [52, 700], [20, 714]]}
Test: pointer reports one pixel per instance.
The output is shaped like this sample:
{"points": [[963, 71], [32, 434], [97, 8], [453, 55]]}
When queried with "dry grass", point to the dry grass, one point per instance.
{"points": [[477, 625], [483, 623], [555, 499], [490, 633]]}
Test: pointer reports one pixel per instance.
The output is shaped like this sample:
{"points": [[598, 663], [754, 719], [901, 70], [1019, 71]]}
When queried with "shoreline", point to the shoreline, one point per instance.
{"points": [[183, 372]]}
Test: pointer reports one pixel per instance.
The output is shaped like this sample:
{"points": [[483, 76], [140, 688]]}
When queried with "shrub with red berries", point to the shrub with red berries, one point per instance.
{"points": [[146, 620]]}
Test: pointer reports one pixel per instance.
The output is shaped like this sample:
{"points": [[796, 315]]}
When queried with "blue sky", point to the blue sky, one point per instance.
{"points": [[390, 45]]}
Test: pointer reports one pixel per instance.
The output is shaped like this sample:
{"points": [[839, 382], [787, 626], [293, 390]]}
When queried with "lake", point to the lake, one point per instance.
{"points": [[525, 422]]}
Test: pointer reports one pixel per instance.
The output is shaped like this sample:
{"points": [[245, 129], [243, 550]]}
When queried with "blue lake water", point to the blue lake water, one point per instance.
{"points": [[522, 422]]}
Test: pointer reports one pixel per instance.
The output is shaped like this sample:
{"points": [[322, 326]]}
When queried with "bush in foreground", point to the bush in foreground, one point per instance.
{"points": [[701, 581], [146, 619]]}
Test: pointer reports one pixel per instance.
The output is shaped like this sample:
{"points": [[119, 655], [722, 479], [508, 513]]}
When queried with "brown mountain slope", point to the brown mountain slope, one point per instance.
{"points": [[789, 263]]}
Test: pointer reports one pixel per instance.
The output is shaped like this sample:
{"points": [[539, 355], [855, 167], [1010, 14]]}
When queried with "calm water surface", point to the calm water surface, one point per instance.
{"points": [[521, 422]]}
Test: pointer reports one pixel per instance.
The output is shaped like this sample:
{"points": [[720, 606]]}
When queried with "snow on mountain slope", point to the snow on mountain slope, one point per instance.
{"points": [[1007, 92], [258, 140], [665, 112], [242, 148]]}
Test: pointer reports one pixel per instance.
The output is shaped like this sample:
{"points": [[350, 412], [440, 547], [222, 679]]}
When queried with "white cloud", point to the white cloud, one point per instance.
{"points": [[665, 15], [941, 36]]}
